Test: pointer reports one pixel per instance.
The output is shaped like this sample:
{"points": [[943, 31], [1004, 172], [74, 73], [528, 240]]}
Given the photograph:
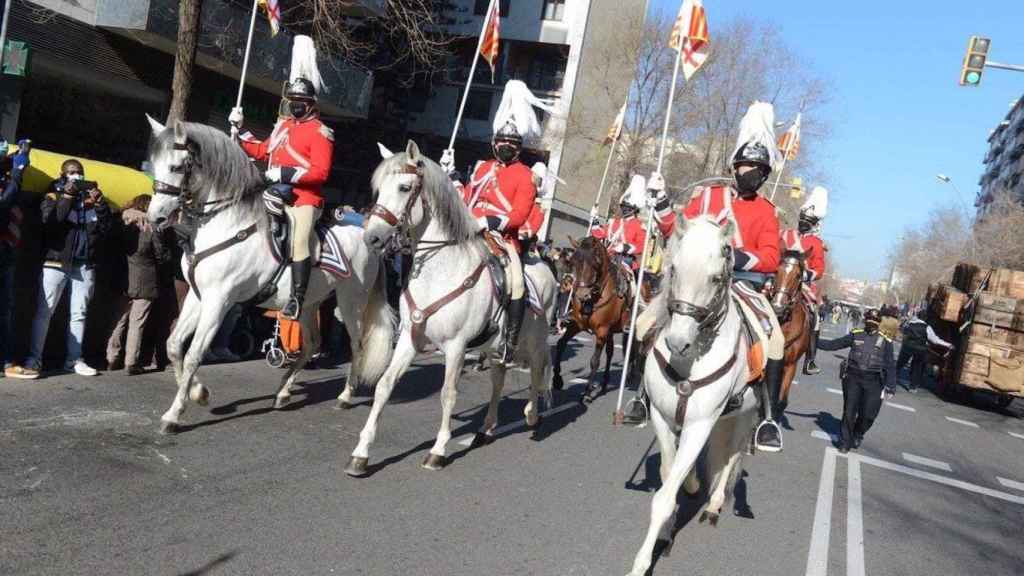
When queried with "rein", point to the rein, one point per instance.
{"points": [[601, 282], [787, 310], [401, 223]]}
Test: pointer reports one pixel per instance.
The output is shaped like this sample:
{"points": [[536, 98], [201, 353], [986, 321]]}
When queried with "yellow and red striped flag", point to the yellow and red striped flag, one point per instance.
{"points": [[690, 36], [273, 10], [789, 142], [616, 130], [489, 46]]}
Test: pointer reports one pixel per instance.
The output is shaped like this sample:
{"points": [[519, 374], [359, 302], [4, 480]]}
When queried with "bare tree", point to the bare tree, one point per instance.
{"points": [[997, 233], [184, 58]]}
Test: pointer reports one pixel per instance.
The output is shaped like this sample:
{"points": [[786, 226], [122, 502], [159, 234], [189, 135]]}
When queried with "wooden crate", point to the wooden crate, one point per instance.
{"points": [[975, 365], [947, 303], [1000, 337], [963, 275], [1002, 282]]}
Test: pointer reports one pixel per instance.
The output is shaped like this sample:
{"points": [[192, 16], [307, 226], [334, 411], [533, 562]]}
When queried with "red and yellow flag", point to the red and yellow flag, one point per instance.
{"points": [[273, 10], [789, 142], [690, 36], [491, 40], [616, 130]]}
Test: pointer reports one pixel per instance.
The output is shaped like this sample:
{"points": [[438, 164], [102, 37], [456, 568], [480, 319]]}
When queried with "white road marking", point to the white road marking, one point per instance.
{"points": [[578, 381], [964, 422], [1016, 435], [468, 438], [817, 555], [835, 391], [796, 382], [854, 520], [927, 462], [822, 435], [943, 480], [901, 407], [1011, 483]]}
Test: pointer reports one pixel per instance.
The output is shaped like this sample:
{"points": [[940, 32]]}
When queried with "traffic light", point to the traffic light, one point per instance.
{"points": [[974, 61], [796, 188]]}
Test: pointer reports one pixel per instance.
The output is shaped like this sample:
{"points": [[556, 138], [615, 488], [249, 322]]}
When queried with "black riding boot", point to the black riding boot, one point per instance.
{"points": [[768, 437], [300, 281], [513, 322], [810, 368]]}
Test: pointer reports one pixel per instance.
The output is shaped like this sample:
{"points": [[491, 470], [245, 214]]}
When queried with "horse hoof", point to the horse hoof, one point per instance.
{"points": [[281, 401], [199, 394], [357, 467], [713, 520], [481, 439], [434, 462], [535, 423], [169, 427], [343, 405], [557, 382], [666, 552]]}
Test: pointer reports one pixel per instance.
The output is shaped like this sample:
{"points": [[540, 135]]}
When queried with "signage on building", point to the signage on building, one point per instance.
{"points": [[15, 58]]}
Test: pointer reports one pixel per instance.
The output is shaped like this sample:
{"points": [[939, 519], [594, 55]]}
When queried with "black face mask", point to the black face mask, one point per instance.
{"points": [[748, 183], [804, 226], [506, 153], [298, 109]]}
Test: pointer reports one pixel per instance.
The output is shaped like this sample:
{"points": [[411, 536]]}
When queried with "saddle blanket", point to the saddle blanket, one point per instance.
{"points": [[328, 254]]}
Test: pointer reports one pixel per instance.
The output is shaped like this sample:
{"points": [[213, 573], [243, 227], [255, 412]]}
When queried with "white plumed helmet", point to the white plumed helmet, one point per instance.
{"points": [[816, 205], [636, 192]]}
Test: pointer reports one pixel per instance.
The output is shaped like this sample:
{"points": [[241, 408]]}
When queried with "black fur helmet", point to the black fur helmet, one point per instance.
{"points": [[753, 153]]}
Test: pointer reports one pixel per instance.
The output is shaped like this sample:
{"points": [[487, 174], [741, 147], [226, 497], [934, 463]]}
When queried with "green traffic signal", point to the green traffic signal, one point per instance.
{"points": [[973, 77]]}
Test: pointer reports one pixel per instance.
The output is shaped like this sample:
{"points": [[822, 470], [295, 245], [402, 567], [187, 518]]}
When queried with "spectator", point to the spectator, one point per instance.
{"points": [[145, 251], [11, 167], [917, 334], [75, 217]]}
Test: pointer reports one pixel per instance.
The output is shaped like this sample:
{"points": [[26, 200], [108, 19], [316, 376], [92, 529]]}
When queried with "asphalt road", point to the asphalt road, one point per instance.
{"points": [[88, 486]]}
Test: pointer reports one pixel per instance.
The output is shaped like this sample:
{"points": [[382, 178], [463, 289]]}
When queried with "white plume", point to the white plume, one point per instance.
{"points": [[817, 203], [304, 62], [758, 125], [516, 106], [636, 192]]}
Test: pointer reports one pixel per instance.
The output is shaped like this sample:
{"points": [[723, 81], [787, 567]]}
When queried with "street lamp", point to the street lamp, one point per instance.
{"points": [[959, 197]]}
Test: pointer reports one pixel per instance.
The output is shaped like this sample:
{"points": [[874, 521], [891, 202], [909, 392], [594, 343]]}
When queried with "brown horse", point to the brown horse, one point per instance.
{"points": [[596, 307], [786, 296]]}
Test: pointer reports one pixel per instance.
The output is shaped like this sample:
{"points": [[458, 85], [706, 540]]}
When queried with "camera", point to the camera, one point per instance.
{"points": [[83, 186]]}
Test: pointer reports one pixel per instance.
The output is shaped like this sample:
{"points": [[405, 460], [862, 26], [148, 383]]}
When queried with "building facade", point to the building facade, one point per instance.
{"points": [[1004, 163]]}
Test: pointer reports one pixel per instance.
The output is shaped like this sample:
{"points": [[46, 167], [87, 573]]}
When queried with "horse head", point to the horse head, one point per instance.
{"points": [[169, 157], [785, 286], [699, 278], [588, 267]]}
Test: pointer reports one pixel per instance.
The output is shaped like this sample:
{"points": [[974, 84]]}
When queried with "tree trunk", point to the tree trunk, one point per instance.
{"points": [[184, 60]]}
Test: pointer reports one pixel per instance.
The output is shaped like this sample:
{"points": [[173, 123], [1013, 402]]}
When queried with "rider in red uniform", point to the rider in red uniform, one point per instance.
{"points": [[756, 249], [805, 240], [625, 233], [298, 154]]}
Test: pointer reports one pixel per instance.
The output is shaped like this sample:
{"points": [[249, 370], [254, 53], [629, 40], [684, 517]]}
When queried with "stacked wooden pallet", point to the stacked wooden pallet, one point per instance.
{"points": [[987, 307]]}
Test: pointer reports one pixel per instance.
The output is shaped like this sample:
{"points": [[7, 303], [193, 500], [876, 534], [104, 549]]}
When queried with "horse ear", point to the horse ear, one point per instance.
{"points": [[412, 151], [574, 243], [154, 125], [180, 137], [384, 152]]}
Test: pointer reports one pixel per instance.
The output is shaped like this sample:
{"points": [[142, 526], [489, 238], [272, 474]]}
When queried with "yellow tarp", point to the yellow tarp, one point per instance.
{"points": [[119, 183]]}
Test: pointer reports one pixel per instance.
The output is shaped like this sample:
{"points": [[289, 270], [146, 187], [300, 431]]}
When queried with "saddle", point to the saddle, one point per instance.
{"points": [[497, 263], [326, 252]]}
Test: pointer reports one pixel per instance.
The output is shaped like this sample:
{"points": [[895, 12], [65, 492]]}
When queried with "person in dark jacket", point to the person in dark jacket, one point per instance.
{"points": [[11, 168], [75, 218], [917, 335], [145, 251], [870, 367]]}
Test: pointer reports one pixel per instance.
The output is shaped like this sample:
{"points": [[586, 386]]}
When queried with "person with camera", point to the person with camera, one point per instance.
{"points": [[11, 168], [75, 218]]}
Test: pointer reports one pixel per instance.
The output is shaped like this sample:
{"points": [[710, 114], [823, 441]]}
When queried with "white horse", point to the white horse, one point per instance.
{"points": [[699, 358], [206, 175], [449, 300]]}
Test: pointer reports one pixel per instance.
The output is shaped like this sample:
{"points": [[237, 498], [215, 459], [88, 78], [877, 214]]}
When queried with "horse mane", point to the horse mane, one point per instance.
{"points": [[446, 205], [794, 254], [223, 164]]}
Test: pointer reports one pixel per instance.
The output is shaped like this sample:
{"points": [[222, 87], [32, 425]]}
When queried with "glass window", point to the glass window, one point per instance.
{"points": [[553, 10], [478, 105]]}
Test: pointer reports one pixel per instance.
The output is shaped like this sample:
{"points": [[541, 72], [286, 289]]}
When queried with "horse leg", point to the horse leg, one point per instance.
{"points": [[486, 433], [209, 316], [788, 373], [537, 388], [719, 456], [666, 443], [188, 318], [454, 357], [600, 339], [310, 346], [353, 325], [663, 506], [403, 356], [570, 333], [609, 352]]}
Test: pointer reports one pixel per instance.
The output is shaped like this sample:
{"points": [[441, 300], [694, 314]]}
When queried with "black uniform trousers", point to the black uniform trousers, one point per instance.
{"points": [[918, 360], [862, 399]]}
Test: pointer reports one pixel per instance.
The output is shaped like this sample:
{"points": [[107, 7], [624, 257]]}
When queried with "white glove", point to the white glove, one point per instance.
{"points": [[274, 174], [236, 118], [655, 188], [448, 161]]}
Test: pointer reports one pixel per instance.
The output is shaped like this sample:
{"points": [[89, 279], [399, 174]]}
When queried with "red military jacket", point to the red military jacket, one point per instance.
{"points": [[531, 228], [624, 235], [811, 246], [505, 192], [757, 226], [303, 149]]}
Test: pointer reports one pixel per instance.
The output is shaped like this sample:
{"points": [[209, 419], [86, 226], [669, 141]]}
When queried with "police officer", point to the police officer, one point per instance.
{"points": [[870, 366]]}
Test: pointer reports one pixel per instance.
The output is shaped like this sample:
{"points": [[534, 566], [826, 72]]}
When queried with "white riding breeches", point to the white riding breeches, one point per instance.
{"points": [[302, 220], [775, 343]]}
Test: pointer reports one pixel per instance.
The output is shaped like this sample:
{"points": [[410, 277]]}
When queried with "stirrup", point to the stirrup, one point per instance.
{"points": [[293, 309], [636, 405], [764, 447]]}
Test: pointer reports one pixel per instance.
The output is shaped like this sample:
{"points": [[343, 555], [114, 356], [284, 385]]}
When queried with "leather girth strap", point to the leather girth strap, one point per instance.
{"points": [[685, 388], [195, 259], [420, 316]]}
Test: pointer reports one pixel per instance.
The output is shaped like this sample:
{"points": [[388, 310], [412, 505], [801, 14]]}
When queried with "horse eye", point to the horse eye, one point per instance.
{"points": [[404, 188]]}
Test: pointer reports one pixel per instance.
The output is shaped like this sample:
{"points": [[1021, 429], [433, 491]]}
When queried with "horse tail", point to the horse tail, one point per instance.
{"points": [[378, 333]]}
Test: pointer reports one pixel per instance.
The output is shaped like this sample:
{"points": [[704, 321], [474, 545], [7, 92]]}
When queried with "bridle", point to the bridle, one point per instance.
{"points": [[201, 212], [777, 290], [402, 236], [711, 316], [592, 289]]}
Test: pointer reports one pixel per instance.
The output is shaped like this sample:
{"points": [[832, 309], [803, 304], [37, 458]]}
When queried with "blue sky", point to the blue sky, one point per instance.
{"points": [[899, 115]]}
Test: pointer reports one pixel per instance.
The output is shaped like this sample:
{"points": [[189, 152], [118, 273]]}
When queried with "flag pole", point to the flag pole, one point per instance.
{"points": [[600, 189], [618, 416], [245, 62], [472, 72], [782, 168]]}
